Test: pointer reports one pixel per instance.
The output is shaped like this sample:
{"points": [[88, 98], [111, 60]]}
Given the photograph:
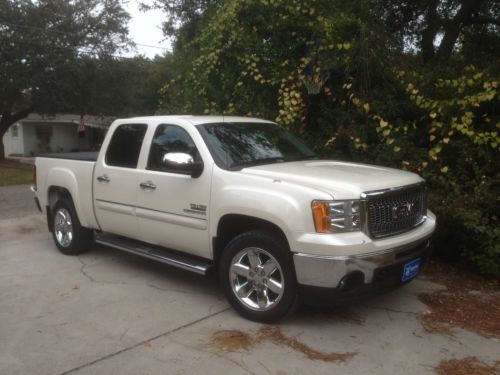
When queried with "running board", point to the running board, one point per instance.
{"points": [[194, 264]]}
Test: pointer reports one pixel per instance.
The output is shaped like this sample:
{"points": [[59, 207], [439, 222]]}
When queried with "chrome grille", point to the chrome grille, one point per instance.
{"points": [[395, 211]]}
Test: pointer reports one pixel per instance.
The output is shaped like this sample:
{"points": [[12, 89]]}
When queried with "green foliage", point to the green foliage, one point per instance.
{"points": [[340, 75]]}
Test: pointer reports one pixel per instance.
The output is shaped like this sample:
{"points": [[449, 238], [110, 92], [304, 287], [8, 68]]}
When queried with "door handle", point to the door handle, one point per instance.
{"points": [[103, 178], [147, 185]]}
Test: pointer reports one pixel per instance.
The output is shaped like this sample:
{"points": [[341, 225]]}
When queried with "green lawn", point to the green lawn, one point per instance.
{"points": [[15, 176]]}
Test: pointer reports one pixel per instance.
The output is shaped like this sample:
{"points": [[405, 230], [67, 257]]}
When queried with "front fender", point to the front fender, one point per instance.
{"points": [[286, 205]]}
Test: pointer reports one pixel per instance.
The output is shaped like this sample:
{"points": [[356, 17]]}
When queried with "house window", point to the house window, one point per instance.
{"points": [[15, 130]]}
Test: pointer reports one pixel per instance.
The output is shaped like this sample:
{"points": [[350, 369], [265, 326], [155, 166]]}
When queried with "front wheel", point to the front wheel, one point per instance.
{"points": [[70, 237], [257, 275]]}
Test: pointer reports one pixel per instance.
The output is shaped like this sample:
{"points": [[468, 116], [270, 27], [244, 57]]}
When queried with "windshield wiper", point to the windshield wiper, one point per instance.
{"points": [[279, 159]]}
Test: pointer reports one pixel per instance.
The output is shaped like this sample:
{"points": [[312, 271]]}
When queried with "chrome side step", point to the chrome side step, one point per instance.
{"points": [[194, 264]]}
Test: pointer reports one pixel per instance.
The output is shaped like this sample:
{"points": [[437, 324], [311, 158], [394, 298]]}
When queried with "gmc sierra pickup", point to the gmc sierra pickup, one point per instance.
{"points": [[245, 199]]}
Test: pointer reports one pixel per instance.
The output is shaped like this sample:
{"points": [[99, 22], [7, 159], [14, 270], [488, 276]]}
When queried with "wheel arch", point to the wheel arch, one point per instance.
{"points": [[231, 225], [54, 195]]}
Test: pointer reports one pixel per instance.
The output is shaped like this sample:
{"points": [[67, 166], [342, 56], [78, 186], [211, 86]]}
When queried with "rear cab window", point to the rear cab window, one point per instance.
{"points": [[125, 145]]}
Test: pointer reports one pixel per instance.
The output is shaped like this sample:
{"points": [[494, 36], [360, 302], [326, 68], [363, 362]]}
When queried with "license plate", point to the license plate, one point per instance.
{"points": [[410, 270]]}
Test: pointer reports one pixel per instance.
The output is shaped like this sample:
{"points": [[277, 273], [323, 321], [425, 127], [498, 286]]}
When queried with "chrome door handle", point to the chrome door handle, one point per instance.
{"points": [[147, 185], [103, 178]]}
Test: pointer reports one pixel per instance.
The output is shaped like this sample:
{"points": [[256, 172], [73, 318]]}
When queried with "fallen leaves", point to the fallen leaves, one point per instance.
{"points": [[467, 366], [468, 302], [236, 340]]}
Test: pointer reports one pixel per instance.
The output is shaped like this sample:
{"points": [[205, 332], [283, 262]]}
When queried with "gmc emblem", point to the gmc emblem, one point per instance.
{"points": [[402, 211]]}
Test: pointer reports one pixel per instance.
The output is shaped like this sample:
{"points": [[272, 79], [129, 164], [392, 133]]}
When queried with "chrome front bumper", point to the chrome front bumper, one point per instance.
{"points": [[333, 271]]}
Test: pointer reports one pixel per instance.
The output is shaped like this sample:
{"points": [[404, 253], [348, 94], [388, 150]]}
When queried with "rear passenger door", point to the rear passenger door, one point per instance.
{"points": [[115, 181]]}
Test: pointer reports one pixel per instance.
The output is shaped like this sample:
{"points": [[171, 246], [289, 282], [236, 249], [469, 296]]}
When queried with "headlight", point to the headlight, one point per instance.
{"points": [[336, 216]]}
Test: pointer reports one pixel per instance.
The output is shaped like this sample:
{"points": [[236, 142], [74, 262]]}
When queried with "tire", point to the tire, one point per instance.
{"points": [[70, 237], [258, 278]]}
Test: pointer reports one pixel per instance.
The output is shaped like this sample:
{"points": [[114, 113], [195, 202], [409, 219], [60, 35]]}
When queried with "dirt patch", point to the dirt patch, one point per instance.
{"points": [[469, 302], [236, 340], [232, 341], [274, 334], [23, 229], [467, 366]]}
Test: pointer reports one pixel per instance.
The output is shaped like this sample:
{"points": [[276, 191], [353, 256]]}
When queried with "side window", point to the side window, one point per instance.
{"points": [[170, 139], [125, 145]]}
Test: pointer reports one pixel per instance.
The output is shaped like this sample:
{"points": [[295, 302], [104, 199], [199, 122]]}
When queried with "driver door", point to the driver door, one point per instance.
{"points": [[172, 207]]}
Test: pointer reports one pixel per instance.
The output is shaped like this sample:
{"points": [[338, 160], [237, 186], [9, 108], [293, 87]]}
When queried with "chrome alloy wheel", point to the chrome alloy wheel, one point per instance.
{"points": [[63, 227], [256, 279]]}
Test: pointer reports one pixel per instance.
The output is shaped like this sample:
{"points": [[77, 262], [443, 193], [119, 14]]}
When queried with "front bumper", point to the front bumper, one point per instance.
{"points": [[352, 271]]}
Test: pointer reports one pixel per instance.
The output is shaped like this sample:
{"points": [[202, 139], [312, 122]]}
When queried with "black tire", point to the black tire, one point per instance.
{"points": [[277, 288], [70, 237]]}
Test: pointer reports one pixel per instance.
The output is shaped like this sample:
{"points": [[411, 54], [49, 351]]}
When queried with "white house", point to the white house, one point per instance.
{"points": [[38, 134]]}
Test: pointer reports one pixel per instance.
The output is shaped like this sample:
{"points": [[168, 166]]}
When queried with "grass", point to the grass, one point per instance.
{"points": [[12, 173]]}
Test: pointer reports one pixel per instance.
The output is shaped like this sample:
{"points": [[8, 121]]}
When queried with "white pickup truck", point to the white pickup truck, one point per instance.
{"points": [[245, 199]]}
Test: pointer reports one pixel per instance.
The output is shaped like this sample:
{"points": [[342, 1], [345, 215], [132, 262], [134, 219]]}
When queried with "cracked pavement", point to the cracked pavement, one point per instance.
{"points": [[109, 312]]}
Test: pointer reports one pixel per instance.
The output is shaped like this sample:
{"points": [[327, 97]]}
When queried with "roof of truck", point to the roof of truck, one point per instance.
{"points": [[197, 120]]}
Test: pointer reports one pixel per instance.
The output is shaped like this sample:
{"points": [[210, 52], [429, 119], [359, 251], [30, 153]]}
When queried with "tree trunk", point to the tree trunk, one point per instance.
{"points": [[452, 30], [6, 122], [430, 31]]}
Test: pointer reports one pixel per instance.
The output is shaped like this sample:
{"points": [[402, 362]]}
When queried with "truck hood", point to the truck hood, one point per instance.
{"points": [[340, 179]]}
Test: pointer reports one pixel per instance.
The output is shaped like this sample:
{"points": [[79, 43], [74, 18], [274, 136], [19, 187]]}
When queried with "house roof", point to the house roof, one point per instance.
{"points": [[101, 122]]}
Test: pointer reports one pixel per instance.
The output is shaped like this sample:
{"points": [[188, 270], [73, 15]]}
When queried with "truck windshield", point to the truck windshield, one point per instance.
{"points": [[235, 145]]}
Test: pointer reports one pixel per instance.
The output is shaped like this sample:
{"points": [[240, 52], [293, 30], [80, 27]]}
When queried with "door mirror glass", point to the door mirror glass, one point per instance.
{"points": [[182, 163], [177, 158]]}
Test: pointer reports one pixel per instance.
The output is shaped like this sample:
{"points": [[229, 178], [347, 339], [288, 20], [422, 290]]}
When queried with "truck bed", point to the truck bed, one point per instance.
{"points": [[84, 156]]}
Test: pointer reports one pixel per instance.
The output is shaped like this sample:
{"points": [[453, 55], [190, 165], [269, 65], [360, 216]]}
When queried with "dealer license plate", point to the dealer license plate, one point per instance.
{"points": [[411, 269]]}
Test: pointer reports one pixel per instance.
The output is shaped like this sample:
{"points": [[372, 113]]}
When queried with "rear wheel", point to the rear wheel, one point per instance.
{"points": [[70, 237], [257, 274]]}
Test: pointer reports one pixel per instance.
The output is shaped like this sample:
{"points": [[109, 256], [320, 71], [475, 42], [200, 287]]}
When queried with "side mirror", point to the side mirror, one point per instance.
{"points": [[183, 163]]}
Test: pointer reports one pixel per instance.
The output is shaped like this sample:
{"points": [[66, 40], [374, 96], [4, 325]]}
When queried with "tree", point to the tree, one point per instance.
{"points": [[437, 27], [42, 42], [408, 84]]}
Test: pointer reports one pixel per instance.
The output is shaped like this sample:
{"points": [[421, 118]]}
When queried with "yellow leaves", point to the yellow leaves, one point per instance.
{"points": [[444, 170], [383, 123], [432, 137], [386, 132], [366, 107], [446, 140], [432, 115], [390, 141], [396, 149]]}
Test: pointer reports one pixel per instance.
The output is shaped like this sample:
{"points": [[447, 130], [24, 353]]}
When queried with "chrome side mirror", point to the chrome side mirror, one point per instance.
{"points": [[183, 163], [177, 158]]}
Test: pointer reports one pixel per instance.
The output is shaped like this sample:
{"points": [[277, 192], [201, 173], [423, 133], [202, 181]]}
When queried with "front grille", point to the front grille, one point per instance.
{"points": [[395, 211]]}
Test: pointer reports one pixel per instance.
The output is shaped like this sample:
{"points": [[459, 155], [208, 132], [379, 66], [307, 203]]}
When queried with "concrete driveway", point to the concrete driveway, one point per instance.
{"points": [[108, 312]]}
